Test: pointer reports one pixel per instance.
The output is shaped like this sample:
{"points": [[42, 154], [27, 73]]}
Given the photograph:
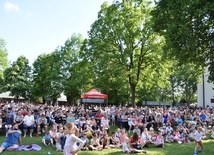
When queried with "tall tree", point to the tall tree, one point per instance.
{"points": [[122, 35], [3, 61], [187, 78], [17, 78], [47, 77], [76, 73], [189, 30]]}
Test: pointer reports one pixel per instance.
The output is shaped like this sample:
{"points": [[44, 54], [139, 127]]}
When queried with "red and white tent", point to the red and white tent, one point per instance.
{"points": [[94, 94]]}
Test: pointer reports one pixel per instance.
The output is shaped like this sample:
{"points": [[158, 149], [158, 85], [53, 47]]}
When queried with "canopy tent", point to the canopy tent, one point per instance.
{"points": [[94, 97], [94, 94]]}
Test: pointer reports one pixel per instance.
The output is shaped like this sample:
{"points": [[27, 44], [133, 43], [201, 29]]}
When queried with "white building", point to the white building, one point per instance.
{"points": [[205, 92]]}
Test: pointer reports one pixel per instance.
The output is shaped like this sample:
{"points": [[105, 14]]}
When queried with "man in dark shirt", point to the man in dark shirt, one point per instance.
{"points": [[58, 118]]}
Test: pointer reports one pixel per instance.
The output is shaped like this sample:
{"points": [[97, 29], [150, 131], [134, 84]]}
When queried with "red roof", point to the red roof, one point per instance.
{"points": [[95, 94]]}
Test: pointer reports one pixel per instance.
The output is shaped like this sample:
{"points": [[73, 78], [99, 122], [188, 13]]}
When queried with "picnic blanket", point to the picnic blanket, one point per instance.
{"points": [[31, 147]]}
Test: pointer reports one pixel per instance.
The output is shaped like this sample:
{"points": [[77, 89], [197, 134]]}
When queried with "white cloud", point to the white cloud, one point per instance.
{"points": [[11, 7]]}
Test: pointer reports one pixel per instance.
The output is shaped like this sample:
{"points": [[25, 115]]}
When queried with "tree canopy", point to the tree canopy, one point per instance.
{"points": [[122, 36], [188, 27], [17, 78]]}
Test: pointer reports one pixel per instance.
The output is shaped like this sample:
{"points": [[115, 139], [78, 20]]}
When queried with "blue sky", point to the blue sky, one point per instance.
{"points": [[33, 27]]}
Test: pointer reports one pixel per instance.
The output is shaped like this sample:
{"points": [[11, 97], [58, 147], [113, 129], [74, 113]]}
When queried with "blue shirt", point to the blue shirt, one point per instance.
{"points": [[13, 137], [47, 137], [203, 117]]}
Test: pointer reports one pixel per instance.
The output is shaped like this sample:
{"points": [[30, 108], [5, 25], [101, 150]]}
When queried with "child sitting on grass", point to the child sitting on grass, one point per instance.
{"points": [[86, 141], [46, 140], [169, 138], [127, 148], [159, 142]]}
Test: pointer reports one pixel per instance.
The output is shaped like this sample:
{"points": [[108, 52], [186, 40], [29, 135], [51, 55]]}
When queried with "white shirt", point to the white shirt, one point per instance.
{"points": [[143, 137], [71, 144], [198, 135], [104, 122], [29, 120]]}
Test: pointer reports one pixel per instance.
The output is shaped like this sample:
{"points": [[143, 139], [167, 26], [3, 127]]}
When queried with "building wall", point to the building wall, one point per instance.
{"points": [[205, 95]]}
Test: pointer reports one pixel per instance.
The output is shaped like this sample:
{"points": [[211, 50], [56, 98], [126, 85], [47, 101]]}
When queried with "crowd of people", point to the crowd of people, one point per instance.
{"points": [[136, 128]]}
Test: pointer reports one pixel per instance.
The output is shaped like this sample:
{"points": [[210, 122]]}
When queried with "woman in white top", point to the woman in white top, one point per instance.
{"points": [[28, 122], [72, 134]]}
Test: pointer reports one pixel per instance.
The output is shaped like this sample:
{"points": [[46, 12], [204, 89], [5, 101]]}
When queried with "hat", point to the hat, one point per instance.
{"points": [[84, 133]]}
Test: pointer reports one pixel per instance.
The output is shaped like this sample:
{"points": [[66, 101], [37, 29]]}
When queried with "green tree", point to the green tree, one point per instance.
{"points": [[187, 79], [122, 35], [3, 61], [188, 29], [76, 71], [47, 77], [17, 78]]}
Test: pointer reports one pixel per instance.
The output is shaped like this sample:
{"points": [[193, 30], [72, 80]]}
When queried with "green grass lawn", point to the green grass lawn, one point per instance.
{"points": [[170, 149]]}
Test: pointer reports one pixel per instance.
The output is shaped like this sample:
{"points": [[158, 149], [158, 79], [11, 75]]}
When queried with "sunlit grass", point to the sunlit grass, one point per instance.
{"points": [[170, 149]]}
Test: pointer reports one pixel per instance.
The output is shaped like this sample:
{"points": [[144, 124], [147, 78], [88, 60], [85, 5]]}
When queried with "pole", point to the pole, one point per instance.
{"points": [[203, 90]]}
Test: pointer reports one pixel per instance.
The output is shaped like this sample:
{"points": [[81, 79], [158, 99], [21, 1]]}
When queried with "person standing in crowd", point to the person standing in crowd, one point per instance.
{"points": [[28, 122], [13, 137], [72, 134]]}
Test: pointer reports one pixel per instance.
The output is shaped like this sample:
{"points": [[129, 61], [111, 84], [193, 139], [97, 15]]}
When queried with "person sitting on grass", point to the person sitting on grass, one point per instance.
{"points": [[159, 142], [46, 140], [137, 129], [52, 132], [123, 135], [176, 135], [127, 148], [135, 141], [212, 133], [118, 133], [145, 138], [94, 143], [86, 141], [13, 136], [114, 140], [191, 135], [169, 138], [104, 141]]}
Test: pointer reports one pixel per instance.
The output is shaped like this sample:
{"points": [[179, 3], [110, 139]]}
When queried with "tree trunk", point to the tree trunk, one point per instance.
{"points": [[43, 99], [69, 100], [133, 91]]}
